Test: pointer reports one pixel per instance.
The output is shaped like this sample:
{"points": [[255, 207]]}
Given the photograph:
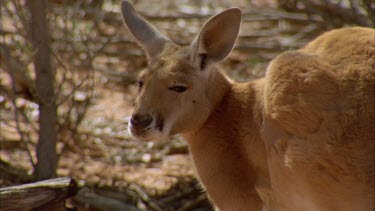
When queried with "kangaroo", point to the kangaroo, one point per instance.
{"points": [[301, 138]]}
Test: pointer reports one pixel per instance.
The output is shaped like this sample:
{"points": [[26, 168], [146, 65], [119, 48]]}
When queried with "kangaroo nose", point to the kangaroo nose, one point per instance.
{"points": [[141, 120]]}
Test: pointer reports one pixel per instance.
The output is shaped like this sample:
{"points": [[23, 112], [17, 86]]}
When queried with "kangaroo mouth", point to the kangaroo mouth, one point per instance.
{"points": [[142, 135], [159, 124], [153, 132]]}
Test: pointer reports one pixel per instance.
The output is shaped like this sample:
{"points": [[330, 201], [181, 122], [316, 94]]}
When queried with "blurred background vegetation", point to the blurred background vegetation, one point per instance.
{"points": [[67, 70]]}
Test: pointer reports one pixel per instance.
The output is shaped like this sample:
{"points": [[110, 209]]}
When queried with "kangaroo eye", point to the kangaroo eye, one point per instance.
{"points": [[178, 88], [140, 84]]}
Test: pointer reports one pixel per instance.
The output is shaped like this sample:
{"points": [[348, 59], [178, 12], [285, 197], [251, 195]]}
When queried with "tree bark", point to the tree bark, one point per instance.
{"points": [[44, 84]]}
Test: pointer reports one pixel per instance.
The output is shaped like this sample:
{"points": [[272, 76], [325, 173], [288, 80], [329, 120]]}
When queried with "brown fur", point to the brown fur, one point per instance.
{"points": [[321, 100], [301, 138]]}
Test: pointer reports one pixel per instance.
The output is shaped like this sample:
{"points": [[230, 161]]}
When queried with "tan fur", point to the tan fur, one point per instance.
{"points": [[321, 102], [301, 138]]}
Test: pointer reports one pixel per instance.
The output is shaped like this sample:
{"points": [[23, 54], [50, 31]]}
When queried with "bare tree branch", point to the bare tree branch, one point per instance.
{"points": [[21, 132]]}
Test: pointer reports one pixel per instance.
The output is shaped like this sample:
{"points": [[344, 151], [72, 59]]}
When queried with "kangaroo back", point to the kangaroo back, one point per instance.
{"points": [[321, 101]]}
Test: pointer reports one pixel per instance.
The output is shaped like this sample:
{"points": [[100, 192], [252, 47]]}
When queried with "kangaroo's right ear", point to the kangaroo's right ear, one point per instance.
{"points": [[146, 34]]}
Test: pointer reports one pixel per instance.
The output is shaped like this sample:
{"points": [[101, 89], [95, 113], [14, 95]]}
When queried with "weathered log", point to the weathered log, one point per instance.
{"points": [[44, 195]]}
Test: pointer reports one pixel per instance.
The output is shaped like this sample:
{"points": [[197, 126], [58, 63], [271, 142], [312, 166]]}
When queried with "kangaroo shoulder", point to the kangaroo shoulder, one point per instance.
{"points": [[300, 89]]}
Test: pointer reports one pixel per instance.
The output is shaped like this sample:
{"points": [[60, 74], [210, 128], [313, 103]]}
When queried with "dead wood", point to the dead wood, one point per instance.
{"points": [[44, 195]]}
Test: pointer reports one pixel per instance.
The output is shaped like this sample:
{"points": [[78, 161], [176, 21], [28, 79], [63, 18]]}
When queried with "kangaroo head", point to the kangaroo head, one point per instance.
{"points": [[175, 91]]}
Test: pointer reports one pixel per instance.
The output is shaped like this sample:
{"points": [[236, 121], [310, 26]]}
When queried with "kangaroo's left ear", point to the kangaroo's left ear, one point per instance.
{"points": [[216, 38]]}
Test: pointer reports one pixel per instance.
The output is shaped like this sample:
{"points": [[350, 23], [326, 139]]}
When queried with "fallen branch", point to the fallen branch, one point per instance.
{"points": [[44, 195], [113, 18], [337, 14]]}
